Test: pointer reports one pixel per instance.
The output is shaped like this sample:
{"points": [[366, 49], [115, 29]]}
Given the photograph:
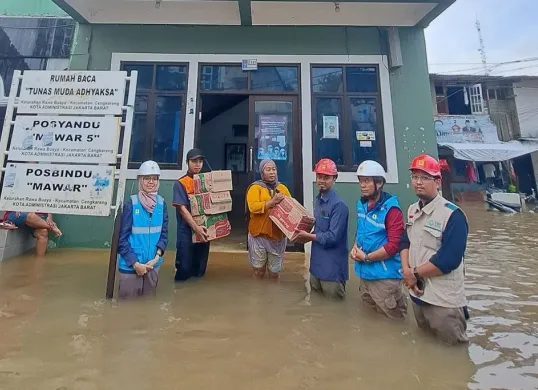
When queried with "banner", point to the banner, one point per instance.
{"points": [[58, 189], [272, 137], [466, 129], [65, 139], [72, 92]]}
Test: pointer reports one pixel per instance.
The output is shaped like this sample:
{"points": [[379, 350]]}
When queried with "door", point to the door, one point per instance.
{"points": [[274, 133]]}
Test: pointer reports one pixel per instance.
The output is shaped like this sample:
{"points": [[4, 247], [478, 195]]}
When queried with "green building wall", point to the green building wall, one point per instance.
{"points": [[30, 8], [412, 111]]}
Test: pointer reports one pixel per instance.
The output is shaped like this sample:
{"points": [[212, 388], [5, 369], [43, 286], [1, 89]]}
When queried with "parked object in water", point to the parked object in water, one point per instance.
{"points": [[503, 201]]}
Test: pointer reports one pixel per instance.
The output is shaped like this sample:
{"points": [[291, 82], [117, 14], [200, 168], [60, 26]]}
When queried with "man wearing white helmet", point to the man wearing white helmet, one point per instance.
{"points": [[143, 235], [380, 226]]}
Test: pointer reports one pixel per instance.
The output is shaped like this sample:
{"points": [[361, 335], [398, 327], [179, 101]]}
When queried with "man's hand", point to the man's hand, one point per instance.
{"points": [[140, 269], [49, 219], [201, 231], [303, 237], [357, 254], [409, 278], [418, 292]]}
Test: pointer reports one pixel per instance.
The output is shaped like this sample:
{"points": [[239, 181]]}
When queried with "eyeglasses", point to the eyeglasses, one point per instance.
{"points": [[147, 179], [422, 178]]}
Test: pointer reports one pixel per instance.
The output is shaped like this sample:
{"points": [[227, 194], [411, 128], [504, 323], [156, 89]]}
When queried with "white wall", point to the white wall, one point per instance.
{"points": [[527, 107]]}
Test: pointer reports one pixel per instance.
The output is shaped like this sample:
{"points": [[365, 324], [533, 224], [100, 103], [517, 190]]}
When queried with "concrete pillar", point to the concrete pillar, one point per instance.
{"points": [[80, 54]]}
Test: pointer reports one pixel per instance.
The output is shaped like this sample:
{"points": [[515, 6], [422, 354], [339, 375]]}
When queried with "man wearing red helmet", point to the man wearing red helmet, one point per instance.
{"points": [[329, 267], [432, 251]]}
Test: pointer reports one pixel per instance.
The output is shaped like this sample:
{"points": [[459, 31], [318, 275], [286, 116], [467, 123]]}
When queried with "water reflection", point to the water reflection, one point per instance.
{"points": [[229, 331]]}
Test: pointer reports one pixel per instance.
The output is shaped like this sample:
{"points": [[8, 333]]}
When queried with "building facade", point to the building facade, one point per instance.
{"points": [[487, 121], [34, 35], [324, 78]]}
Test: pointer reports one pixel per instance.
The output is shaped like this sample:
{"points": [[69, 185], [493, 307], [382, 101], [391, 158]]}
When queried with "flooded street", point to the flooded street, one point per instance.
{"points": [[228, 331]]}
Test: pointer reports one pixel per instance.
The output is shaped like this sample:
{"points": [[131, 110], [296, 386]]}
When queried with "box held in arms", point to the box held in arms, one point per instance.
{"points": [[211, 203], [215, 181], [217, 226], [289, 215]]}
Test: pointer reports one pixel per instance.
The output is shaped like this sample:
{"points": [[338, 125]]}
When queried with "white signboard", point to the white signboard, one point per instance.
{"points": [[65, 139], [72, 92], [58, 189]]}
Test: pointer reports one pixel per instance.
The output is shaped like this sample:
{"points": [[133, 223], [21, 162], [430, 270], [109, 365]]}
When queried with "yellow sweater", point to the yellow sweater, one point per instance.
{"points": [[260, 224]]}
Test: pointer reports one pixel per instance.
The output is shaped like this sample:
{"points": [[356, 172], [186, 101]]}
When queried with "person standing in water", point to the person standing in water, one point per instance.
{"points": [[432, 251], [266, 243], [143, 235], [380, 226], [191, 258], [329, 265]]}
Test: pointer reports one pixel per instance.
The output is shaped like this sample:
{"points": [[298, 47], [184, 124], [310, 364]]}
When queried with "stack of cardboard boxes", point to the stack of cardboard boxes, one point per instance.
{"points": [[211, 202]]}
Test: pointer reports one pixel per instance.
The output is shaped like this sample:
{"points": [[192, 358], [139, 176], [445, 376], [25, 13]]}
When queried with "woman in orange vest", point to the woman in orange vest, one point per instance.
{"points": [[266, 243]]}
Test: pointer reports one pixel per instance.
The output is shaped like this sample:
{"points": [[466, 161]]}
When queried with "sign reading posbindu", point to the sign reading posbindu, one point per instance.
{"points": [[69, 139], [72, 92], [58, 189]]}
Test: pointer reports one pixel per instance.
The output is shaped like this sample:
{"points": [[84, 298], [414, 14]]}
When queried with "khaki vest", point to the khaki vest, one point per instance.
{"points": [[425, 229]]}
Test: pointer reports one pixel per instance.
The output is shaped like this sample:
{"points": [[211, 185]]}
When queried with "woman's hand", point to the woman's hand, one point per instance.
{"points": [[140, 269], [275, 200]]}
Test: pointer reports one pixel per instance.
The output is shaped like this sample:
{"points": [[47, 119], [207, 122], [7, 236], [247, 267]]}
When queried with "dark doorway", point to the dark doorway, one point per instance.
{"points": [[223, 136]]}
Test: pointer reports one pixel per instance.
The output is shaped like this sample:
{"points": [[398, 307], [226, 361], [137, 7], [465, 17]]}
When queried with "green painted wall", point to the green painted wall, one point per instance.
{"points": [[30, 8], [412, 111]]}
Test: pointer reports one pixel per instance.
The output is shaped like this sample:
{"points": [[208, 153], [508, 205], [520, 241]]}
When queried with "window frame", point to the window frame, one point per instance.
{"points": [[152, 95], [346, 125]]}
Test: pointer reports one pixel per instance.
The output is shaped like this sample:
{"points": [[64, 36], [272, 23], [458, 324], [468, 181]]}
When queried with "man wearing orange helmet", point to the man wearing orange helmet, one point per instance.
{"points": [[329, 267], [432, 253]]}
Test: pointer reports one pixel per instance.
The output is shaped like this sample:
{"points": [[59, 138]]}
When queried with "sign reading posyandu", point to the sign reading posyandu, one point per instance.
{"points": [[72, 92], [58, 189], [69, 139]]}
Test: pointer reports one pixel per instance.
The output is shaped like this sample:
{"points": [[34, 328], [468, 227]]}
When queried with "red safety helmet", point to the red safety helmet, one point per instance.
{"points": [[326, 166], [426, 163]]}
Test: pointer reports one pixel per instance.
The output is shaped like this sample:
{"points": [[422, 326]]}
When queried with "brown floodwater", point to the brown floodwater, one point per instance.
{"points": [[228, 331]]}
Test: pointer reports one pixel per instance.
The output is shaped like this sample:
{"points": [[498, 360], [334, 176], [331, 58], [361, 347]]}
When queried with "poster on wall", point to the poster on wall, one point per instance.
{"points": [[331, 129], [72, 92], [58, 189], [69, 139], [465, 129], [272, 137]]}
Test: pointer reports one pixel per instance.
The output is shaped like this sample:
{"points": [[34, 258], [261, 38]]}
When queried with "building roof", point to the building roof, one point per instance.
{"points": [[386, 13]]}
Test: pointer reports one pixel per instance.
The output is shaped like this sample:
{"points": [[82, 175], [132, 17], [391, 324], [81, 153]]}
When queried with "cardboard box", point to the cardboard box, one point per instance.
{"points": [[289, 215], [217, 226], [215, 181], [211, 203]]}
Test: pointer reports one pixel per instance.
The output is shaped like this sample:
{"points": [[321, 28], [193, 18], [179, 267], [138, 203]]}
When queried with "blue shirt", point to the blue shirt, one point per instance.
{"points": [[124, 248], [329, 258]]}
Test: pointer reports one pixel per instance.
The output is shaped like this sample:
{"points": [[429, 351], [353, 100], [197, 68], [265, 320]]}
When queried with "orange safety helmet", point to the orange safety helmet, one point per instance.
{"points": [[326, 166], [426, 163]]}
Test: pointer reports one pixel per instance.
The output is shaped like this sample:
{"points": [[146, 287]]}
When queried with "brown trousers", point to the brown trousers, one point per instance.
{"points": [[447, 324], [386, 296]]}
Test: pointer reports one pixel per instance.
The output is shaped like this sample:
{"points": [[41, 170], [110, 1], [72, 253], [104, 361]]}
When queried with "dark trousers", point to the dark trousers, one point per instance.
{"points": [[191, 259]]}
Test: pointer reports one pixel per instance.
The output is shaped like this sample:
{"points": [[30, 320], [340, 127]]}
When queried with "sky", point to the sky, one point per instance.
{"points": [[509, 31]]}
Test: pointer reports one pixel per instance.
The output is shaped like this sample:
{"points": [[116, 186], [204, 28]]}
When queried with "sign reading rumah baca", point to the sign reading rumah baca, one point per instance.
{"points": [[58, 189], [65, 139], [72, 92]]}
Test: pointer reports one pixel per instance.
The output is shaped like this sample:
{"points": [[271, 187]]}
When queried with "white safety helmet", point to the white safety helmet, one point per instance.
{"points": [[149, 168], [371, 169]]}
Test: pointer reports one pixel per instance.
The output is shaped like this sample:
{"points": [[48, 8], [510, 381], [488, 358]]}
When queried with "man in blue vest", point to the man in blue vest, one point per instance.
{"points": [[380, 226]]}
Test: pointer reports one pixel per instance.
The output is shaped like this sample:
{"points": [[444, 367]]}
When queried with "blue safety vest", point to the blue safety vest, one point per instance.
{"points": [[372, 235], [145, 233]]}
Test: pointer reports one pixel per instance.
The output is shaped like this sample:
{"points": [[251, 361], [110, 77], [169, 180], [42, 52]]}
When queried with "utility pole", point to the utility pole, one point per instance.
{"points": [[482, 49]]}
